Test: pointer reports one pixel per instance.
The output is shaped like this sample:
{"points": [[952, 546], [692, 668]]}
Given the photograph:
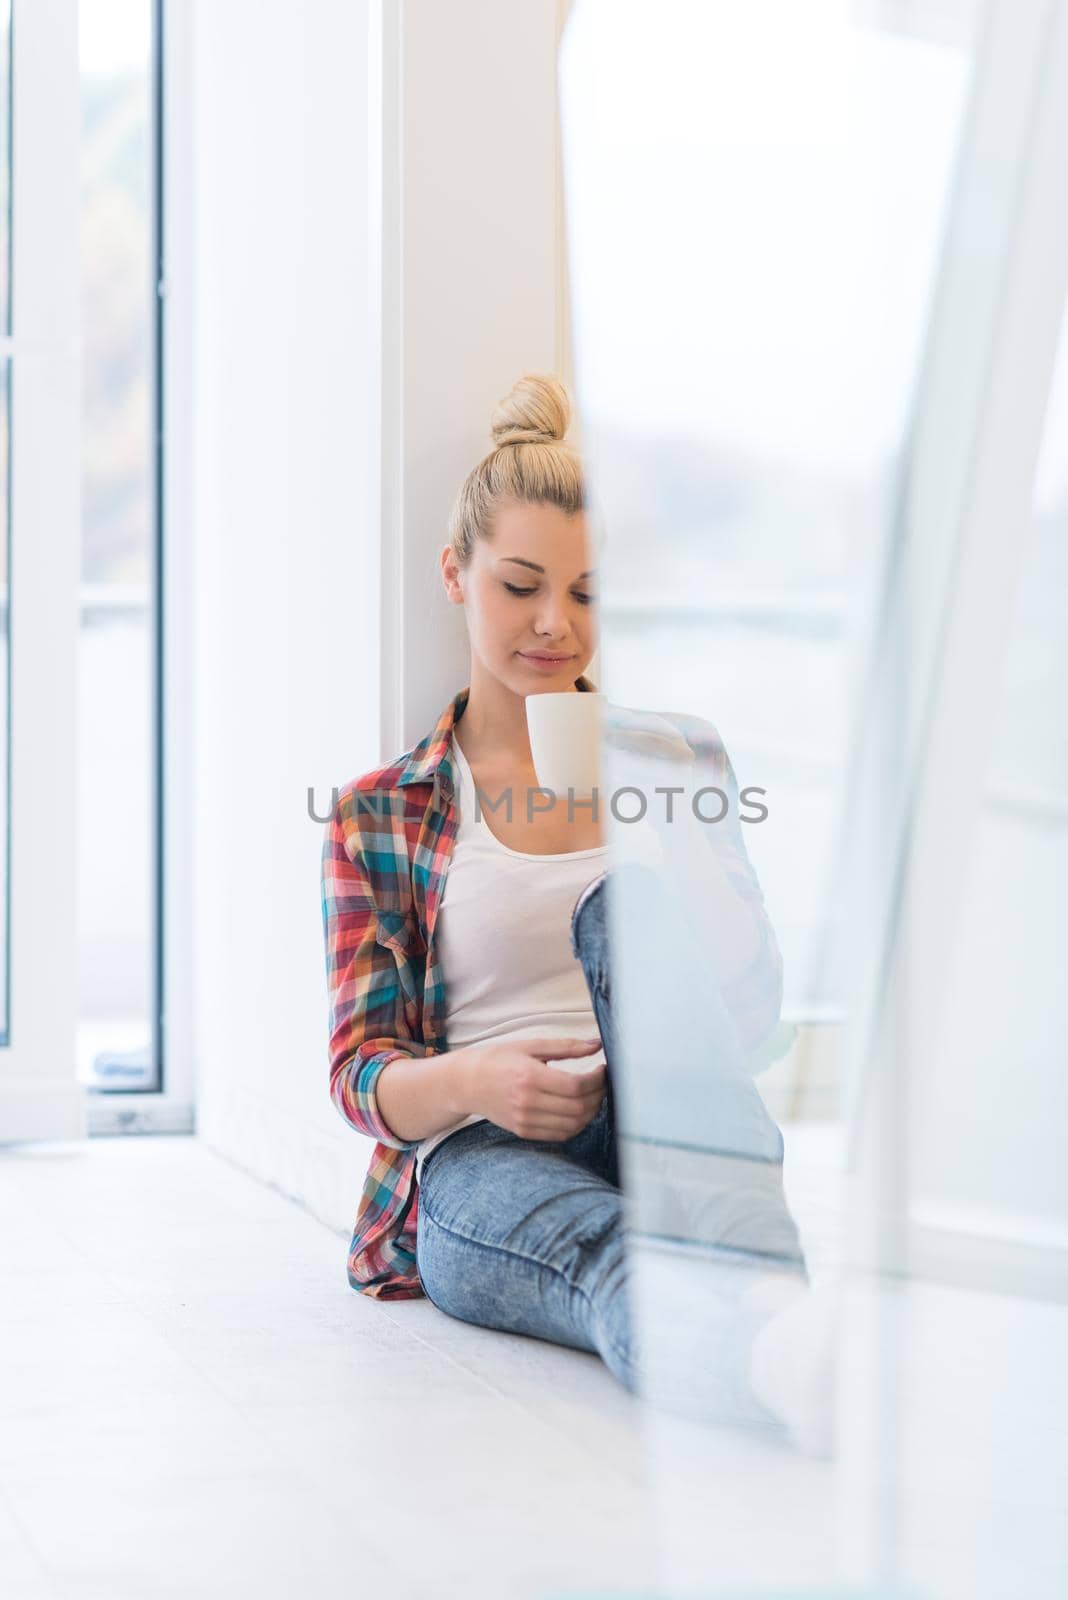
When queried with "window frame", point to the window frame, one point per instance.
{"points": [[170, 1108]]}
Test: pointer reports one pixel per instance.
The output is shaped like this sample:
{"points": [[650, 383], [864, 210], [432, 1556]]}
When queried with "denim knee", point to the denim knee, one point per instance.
{"points": [[589, 913]]}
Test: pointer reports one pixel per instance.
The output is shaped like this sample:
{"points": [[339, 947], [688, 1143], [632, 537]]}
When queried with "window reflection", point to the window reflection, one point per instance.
{"points": [[5, 515], [756, 199], [755, 202]]}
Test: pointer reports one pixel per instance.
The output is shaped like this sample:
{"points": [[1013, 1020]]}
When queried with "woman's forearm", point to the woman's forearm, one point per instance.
{"points": [[421, 1097]]}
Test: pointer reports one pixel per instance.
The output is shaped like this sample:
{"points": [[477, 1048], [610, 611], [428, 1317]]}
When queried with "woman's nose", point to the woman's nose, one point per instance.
{"points": [[552, 619]]}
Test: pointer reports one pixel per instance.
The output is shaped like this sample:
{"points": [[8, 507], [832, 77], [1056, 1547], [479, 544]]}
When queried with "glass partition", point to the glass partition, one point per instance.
{"points": [[794, 241], [5, 517]]}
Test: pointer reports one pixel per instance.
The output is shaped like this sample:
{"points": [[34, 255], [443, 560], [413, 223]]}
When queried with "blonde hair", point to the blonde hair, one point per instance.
{"points": [[529, 464]]}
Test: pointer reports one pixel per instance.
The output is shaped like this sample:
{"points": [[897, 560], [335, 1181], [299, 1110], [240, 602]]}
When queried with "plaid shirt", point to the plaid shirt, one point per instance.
{"points": [[385, 857]]}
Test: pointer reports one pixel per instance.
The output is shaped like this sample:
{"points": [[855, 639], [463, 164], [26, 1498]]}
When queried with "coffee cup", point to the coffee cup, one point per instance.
{"points": [[565, 740]]}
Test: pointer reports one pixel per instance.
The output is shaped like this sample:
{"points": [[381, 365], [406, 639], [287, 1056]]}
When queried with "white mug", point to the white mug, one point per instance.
{"points": [[565, 740]]}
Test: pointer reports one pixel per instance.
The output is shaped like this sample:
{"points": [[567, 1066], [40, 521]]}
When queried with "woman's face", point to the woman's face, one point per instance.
{"points": [[528, 592]]}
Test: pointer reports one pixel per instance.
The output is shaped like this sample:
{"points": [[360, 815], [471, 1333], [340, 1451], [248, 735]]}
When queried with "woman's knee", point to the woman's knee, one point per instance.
{"points": [[589, 918], [589, 915], [447, 1271], [559, 1273]]}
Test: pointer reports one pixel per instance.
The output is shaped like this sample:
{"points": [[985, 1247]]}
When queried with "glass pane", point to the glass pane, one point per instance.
{"points": [[756, 201], [989, 1132], [118, 636], [754, 243], [5, 700], [5, 518], [5, 166]]}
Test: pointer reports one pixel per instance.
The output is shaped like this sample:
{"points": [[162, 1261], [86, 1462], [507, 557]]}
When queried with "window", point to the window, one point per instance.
{"points": [[119, 792]]}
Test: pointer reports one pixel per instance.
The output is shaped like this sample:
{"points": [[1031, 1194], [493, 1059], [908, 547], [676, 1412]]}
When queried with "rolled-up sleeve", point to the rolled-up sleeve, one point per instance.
{"points": [[367, 1023]]}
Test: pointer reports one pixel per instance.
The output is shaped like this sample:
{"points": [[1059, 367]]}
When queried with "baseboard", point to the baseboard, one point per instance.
{"points": [[32, 1110], [1020, 1256], [319, 1169]]}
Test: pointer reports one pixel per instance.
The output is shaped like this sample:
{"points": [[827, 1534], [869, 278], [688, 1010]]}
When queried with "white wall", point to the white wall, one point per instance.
{"points": [[471, 264], [347, 354], [284, 603]]}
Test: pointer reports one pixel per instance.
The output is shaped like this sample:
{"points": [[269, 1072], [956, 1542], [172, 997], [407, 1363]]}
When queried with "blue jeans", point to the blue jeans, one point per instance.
{"points": [[539, 1236]]}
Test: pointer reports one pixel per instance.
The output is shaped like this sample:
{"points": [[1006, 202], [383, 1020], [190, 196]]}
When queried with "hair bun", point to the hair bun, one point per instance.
{"points": [[537, 411]]}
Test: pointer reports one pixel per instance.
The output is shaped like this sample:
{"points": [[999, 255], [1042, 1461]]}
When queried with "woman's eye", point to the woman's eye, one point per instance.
{"points": [[584, 599]]}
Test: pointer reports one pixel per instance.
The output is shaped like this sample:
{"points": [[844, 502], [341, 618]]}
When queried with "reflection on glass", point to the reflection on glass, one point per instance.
{"points": [[754, 236], [756, 197], [5, 166], [987, 1141], [5, 698], [118, 643], [5, 519]]}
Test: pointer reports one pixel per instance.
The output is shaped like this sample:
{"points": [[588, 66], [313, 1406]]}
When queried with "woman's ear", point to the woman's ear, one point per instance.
{"points": [[450, 574]]}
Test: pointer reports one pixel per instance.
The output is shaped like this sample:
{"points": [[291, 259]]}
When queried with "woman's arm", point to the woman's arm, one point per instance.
{"points": [[418, 1098], [396, 1090], [368, 1027], [508, 1081]]}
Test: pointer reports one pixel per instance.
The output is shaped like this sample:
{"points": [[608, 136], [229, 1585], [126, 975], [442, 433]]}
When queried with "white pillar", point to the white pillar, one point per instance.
{"points": [[470, 293]]}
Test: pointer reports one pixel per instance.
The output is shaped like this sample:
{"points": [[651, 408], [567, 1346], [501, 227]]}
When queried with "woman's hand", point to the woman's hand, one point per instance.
{"points": [[513, 1085]]}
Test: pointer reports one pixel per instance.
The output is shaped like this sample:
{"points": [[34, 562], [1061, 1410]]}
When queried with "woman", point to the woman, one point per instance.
{"points": [[467, 959]]}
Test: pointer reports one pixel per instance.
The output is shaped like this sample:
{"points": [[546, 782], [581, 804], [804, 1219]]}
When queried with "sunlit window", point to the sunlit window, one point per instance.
{"points": [[118, 943]]}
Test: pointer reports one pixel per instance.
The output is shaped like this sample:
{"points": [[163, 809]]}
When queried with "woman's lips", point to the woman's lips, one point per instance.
{"points": [[544, 661]]}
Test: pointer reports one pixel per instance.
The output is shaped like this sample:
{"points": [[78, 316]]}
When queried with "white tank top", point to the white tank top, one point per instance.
{"points": [[504, 941]]}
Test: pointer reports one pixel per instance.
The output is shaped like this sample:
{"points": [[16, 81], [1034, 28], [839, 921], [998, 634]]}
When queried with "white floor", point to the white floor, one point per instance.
{"points": [[194, 1403]]}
